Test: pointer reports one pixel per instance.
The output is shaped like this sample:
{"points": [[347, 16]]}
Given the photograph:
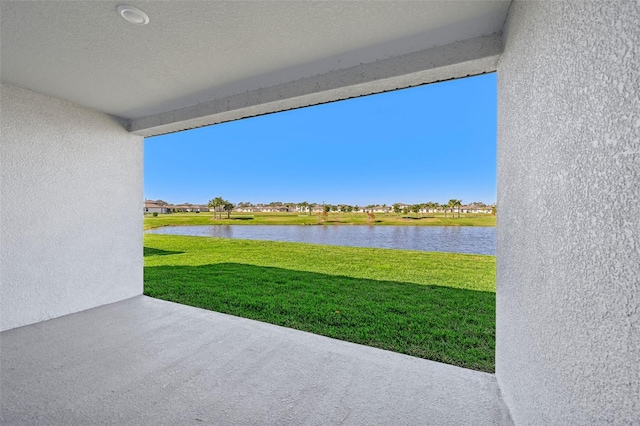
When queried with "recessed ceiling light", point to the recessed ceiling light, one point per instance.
{"points": [[133, 14]]}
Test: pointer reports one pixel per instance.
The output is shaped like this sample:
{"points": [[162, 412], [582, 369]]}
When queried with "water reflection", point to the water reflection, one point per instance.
{"points": [[456, 239]]}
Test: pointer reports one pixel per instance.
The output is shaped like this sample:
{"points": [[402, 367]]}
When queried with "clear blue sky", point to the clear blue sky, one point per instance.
{"points": [[428, 143]]}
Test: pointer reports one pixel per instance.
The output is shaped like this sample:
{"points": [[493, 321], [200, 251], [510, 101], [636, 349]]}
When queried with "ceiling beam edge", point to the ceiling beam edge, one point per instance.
{"points": [[460, 59]]}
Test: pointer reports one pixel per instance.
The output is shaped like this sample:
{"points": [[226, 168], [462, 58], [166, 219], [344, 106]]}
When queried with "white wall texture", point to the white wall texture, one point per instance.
{"points": [[568, 315], [70, 209]]}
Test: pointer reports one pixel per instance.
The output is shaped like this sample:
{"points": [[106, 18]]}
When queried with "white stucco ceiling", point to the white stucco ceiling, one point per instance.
{"points": [[193, 52]]}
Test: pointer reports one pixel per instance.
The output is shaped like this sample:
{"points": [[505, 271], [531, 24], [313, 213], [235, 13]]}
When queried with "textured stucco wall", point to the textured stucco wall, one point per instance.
{"points": [[70, 209], [568, 316]]}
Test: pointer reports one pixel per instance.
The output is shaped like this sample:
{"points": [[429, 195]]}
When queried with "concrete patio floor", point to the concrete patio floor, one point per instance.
{"points": [[147, 361]]}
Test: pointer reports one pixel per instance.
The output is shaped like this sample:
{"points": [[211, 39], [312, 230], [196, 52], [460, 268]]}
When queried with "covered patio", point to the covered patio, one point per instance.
{"points": [[81, 89], [149, 362]]}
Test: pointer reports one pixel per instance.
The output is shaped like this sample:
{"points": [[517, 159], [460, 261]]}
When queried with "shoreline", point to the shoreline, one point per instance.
{"points": [[334, 219]]}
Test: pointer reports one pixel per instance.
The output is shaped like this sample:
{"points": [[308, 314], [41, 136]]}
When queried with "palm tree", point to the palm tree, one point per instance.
{"points": [[216, 203], [228, 207], [454, 203], [219, 203], [212, 204]]}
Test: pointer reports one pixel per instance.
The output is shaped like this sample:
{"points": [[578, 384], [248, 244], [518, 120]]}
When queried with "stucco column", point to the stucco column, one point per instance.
{"points": [[568, 315]]}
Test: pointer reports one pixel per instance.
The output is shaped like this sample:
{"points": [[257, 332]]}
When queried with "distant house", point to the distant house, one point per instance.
{"points": [[429, 210], [151, 206], [473, 208], [182, 208], [277, 208], [199, 208], [246, 209], [159, 206], [381, 209]]}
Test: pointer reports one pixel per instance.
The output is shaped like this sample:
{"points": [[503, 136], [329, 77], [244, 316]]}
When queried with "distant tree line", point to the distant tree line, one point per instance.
{"points": [[219, 206], [453, 205]]}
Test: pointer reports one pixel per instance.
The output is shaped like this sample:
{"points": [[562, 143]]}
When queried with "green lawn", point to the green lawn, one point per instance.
{"points": [[439, 306], [314, 219]]}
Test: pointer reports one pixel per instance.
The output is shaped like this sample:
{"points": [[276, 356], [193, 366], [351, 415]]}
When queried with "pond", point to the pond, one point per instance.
{"points": [[455, 239]]}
